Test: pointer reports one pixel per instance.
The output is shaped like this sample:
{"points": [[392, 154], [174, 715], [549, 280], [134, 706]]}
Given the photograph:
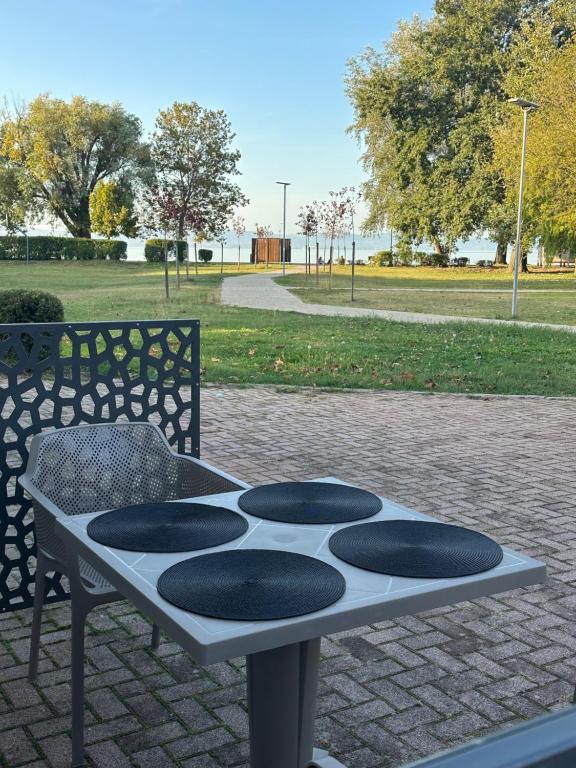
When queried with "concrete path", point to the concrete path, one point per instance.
{"points": [[262, 292]]}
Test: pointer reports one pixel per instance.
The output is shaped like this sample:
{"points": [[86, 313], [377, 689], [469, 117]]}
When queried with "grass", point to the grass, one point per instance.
{"points": [[241, 346], [544, 297]]}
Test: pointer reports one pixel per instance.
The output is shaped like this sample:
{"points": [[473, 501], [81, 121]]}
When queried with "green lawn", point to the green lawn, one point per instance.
{"points": [[249, 346], [548, 298]]}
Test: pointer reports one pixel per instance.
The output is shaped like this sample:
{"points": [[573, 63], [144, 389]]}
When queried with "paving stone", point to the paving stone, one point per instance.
{"points": [[107, 754], [152, 758], [148, 709], [16, 748], [148, 737]]}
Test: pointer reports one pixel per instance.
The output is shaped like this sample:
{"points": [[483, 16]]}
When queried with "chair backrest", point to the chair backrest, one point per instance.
{"points": [[94, 467]]}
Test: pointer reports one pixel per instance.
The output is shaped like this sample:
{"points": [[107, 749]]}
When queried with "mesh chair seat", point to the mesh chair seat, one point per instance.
{"points": [[94, 580]]}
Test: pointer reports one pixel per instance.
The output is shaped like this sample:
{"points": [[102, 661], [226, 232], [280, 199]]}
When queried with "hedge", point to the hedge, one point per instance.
{"points": [[154, 249], [205, 255], [45, 248]]}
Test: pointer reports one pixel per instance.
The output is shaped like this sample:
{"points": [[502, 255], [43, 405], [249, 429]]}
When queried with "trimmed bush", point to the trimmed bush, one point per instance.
{"points": [[404, 255], [21, 306], [205, 255], [431, 259], [45, 248], [154, 249], [381, 259], [459, 261]]}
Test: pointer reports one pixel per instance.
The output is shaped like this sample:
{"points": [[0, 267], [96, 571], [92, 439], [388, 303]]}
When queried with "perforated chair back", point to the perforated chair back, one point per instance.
{"points": [[103, 466], [96, 467]]}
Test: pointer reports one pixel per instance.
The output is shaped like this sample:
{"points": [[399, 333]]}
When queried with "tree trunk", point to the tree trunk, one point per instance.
{"points": [[83, 224], [177, 264], [523, 260], [501, 251], [438, 247]]}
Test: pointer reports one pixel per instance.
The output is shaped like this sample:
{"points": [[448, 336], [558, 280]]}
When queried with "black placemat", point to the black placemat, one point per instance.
{"points": [[310, 503], [167, 527], [251, 584], [416, 549]]}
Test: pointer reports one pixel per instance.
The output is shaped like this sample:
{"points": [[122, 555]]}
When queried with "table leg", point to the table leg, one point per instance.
{"points": [[282, 685]]}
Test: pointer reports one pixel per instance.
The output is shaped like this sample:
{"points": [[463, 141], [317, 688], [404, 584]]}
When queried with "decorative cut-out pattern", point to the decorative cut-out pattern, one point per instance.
{"points": [[62, 374]]}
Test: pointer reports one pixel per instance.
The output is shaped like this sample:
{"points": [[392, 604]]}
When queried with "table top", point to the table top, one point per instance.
{"points": [[369, 597]]}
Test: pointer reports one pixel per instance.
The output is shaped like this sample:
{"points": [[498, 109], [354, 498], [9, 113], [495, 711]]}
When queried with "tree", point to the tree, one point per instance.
{"points": [[307, 223], [193, 161], [112, 211], [64, 149], [333, 214], [543, 69], [424, 109], [238, 224], [16, 204]]}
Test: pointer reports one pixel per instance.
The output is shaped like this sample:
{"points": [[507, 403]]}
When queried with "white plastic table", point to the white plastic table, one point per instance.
{"points": [[283, 655]]}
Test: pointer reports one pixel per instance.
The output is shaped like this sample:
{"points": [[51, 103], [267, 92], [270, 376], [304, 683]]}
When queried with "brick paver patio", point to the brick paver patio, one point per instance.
{"points": [[389, 692]]}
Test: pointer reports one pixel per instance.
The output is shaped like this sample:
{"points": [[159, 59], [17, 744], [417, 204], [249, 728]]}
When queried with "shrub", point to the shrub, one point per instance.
{"points": [[404, 256], [205, 255], [45, 248], [459, 261], [154, 249], [115, 250], [21, 306], [431, 259], [381, 259]]}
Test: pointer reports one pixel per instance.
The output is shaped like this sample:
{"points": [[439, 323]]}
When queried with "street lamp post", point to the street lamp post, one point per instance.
{"points": [[284, 184], [526, 107]]}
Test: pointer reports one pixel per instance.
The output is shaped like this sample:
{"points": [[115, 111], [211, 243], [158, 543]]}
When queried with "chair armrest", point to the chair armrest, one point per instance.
{"points": [[197, 478]]}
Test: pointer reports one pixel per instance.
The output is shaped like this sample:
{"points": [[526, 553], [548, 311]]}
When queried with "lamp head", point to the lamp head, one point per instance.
{"points": [[523, 103]]}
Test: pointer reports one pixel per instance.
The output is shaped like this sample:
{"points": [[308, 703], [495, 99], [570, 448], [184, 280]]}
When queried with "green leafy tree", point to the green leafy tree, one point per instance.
{"points": [[112, 210], [424, 110], [543, 69], [16, 204], [64, 149], [193, 162]]}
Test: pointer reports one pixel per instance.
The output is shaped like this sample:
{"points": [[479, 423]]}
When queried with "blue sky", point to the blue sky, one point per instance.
{"points": [[276, 69]]}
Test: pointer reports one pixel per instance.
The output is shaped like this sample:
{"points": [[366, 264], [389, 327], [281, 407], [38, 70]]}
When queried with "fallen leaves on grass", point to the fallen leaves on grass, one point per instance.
{"points": [[278, 363], [215, 359], [252, 352]]}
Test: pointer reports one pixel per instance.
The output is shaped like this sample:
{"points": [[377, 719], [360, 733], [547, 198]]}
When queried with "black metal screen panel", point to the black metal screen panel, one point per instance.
{"points": [[62, 374]]}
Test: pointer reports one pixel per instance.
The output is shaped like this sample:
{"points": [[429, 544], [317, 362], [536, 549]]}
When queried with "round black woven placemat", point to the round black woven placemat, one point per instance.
{"points": [[251, 584], [310, 503], [416, 549], [167, 527]]}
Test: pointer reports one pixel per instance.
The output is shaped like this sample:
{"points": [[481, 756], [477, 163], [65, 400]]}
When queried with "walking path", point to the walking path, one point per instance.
{"points": [[262, 292]]}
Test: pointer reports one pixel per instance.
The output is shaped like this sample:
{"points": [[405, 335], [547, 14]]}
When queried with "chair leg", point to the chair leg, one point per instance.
{"points": [[78, 624], [155, 643], [40, 582]]}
